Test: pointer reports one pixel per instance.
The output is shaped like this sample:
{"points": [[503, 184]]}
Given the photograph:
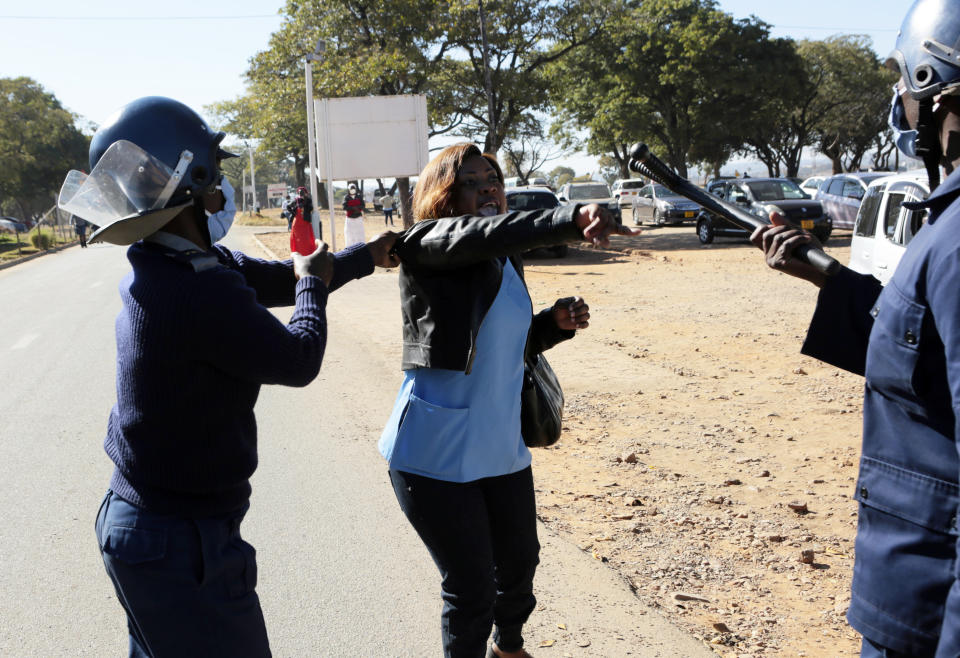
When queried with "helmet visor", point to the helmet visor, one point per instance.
{"points": [[126, 181]]}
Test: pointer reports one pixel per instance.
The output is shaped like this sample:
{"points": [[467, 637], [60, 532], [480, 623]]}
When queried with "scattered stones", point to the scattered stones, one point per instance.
{"points": [[732, 482], [684, 596], [763, 474], [799, 371], [799, 508], [630, 458], [806, 556], [721, 627]]}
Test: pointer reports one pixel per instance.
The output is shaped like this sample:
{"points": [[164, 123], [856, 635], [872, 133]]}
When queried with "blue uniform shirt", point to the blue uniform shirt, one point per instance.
{"points": [[456, 427], [906, 341]]}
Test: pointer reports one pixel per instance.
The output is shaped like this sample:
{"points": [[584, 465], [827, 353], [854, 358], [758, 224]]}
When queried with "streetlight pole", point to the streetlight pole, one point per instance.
{"points": [[312, 145], [253, 181]]}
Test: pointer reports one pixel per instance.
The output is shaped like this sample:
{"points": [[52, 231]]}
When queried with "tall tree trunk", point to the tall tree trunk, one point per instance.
{"points": [[406, 202]]}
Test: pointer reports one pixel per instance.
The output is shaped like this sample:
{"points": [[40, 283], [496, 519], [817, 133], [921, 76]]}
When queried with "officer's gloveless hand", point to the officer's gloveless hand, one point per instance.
{"points": [[319, 263]]}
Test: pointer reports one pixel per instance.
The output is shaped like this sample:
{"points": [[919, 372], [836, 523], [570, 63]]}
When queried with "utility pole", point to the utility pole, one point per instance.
{"points": [[491, 120], [253, 181], [243, 189], [315, 56]]}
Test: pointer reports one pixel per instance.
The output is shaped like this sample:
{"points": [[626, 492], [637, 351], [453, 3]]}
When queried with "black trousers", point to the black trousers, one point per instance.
{"points": [[482, 535]]}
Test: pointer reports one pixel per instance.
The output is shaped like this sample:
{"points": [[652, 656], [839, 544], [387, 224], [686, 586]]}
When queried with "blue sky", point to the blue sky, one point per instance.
{"points": [[99, 55]]}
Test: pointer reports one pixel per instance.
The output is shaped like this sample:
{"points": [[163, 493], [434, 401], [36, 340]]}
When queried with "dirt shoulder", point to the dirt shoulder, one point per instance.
{"points": [[702, 454]]}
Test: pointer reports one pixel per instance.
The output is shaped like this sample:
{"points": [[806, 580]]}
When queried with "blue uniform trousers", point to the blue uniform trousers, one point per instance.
{"points": [[187, 585]]}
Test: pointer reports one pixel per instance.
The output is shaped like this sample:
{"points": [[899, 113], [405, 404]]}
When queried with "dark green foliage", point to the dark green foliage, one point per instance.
{"points": [[39, 143]]}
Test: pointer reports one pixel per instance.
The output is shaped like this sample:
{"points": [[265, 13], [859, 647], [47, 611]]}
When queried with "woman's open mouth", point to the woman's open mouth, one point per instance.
{"points": [[488, 209]]}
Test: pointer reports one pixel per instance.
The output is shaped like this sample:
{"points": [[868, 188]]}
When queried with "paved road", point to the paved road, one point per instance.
{"points": [[341, 573]]}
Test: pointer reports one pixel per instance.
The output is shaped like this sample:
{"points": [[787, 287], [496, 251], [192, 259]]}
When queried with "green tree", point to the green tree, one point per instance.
{"points": [[524, 37], [371, 48], [676, 74], [855, 86], [609, 169], [39, 143], [560, 176]]}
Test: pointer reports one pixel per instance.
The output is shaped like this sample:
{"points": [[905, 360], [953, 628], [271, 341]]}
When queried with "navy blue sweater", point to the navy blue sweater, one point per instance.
{"points": [[193, 348]]}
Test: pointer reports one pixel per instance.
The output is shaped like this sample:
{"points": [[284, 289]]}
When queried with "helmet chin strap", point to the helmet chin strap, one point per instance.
{"points": [[200, 218], [928, 142]]}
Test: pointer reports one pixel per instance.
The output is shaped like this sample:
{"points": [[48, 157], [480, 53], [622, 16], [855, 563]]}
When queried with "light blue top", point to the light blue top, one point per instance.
{"points": [[451, 426]]}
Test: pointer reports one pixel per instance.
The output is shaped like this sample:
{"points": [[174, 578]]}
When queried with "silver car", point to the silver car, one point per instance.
{"points": [[841, 195], [659, 205], [590, 192]]}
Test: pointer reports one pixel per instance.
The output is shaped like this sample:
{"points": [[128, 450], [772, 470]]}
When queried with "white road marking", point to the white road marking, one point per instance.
{"points": [[26, 340]]}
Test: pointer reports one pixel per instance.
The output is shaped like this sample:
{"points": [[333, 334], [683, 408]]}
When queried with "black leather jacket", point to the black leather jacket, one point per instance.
{"points": [[450, 274]]}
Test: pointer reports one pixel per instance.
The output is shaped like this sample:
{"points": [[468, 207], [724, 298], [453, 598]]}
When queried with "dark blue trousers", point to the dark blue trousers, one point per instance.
{"points": [[482, 535], [870, 650], [187, 585]]}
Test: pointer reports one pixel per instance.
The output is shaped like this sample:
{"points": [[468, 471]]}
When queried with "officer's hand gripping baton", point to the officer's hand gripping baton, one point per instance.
{"points": [[646, 163]]}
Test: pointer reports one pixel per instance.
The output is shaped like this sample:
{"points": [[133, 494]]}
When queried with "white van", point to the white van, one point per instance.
{"points": [[627, 190], [884, 228]]}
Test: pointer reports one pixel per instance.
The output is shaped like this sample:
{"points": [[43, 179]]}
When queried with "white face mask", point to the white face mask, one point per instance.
{"points": [[219, 223]]}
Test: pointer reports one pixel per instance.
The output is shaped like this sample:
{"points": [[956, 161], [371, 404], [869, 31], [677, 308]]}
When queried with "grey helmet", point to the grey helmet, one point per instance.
{"points": [[927, 52]]}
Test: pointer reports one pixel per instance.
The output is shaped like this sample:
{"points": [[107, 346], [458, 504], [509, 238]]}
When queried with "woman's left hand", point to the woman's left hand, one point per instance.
{"points": [[571, 313]]}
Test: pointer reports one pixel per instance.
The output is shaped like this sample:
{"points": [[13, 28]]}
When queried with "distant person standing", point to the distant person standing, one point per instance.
{"points": [[353, 225], [80, 226], [386, 202], [302, 240], [289, 210]]}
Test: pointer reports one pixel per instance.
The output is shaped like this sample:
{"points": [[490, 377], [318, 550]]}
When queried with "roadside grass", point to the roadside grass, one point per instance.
{"points": [[9, 246], [267, 217]]}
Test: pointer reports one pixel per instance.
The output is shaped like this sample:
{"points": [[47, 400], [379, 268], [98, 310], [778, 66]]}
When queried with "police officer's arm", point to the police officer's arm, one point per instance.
{"points": [[234, 333], [274, 280], [942, 284], [840, 328]]}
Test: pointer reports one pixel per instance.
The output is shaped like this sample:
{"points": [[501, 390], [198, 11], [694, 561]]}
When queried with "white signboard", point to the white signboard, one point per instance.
{"points": [[371, 136], [275, 190]]}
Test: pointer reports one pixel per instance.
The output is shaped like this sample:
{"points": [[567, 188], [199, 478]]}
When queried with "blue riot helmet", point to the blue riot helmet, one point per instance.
{"points": [[927, 55], [927, 52], [151, 159]]}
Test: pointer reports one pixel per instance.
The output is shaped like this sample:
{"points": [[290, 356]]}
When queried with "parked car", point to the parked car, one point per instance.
{"points": [[761, 196], [841, 195], [625, 190], [884, 227], [12, 225], [534, 198], [590, 192], [811, 185], [659, 205]]}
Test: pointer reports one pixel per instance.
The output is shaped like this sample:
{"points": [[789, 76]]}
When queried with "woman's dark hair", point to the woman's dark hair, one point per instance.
{"points": [[433, 197]]}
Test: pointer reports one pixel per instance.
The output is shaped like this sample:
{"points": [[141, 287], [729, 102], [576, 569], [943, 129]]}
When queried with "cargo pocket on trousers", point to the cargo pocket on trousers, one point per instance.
{"points": [[135, 545], [245, 581]]}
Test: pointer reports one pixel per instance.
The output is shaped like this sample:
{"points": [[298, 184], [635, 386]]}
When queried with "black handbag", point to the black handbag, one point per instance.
{"points": [[541, 403]]}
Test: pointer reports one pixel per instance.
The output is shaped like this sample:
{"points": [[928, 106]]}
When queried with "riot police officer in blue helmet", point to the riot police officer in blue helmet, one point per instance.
{"points": [[905, 340], [195, 341]]}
